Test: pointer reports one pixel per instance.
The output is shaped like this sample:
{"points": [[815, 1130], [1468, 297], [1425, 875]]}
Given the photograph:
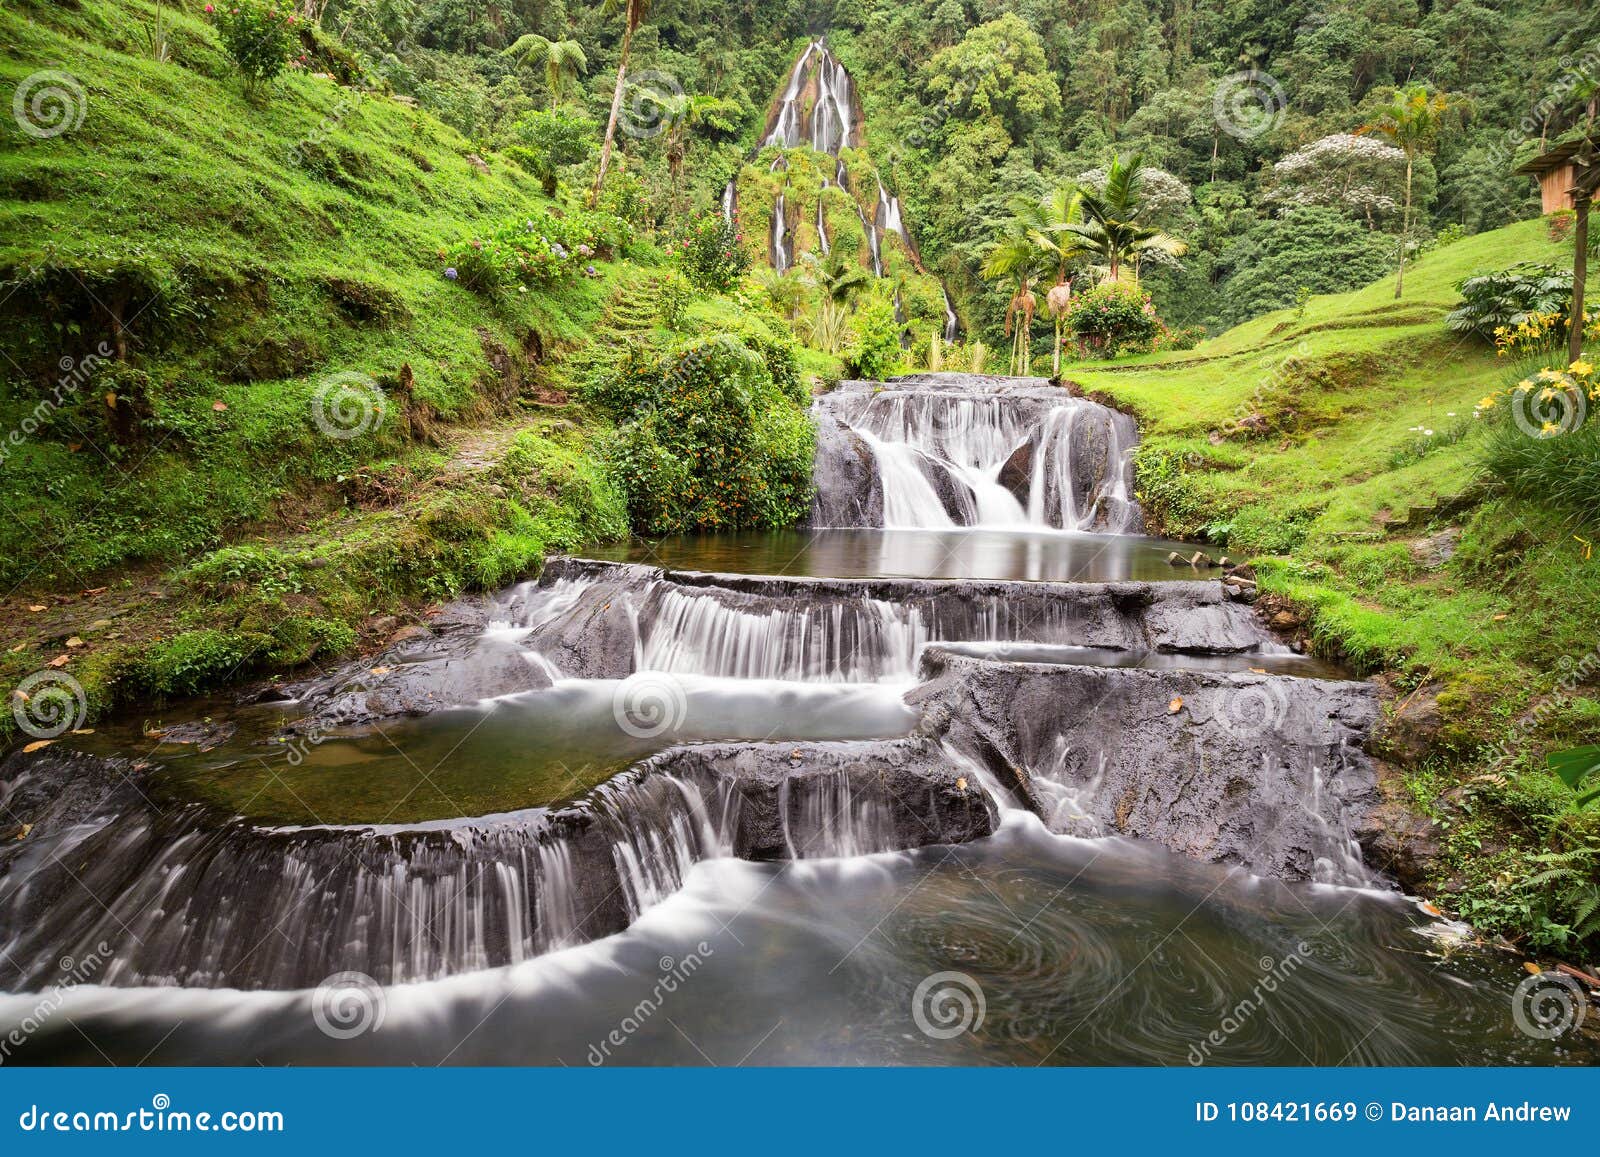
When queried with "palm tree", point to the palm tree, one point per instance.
{"points": [[1045, 225], [1110, 228], [562, 59], [1410, 120], [840, 279], [634, 13], [1016, 261]]}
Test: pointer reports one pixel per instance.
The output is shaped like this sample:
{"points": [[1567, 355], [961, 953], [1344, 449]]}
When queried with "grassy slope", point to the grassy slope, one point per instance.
{"points": [[252, 277], [1334, 497]]}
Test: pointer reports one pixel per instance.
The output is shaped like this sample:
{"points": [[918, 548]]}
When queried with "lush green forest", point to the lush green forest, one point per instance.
{"points": [[317, 316]]}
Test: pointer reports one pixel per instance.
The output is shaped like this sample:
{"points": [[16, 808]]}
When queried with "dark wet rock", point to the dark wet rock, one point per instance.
{"points": [[1263, 772], [202, 734], [848, 489], [1016, 475], [1410, 730], [419, 676]]}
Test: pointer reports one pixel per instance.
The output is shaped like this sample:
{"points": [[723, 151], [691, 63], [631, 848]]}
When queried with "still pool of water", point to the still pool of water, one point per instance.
{"points": [[529, 750], [1027, 949], [1032, 555]]}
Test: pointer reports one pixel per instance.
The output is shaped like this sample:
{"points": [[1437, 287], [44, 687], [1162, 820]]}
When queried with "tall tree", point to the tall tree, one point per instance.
{"points": [[1041, 234], [1411, 120], [634, 13], [1112, 227], [562, 59], [1585, 185]]}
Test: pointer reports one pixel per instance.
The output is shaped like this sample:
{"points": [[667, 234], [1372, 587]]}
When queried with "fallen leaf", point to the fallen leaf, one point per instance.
{"points": [[1258, 670], [74, 447], [84, 731], [60, 660], [153, 734], [23, 834], [1176, 705], [380, 670], [96, 590], [961, 783], [21, 696], [1431, 910], [19, 647], [1532, 967], [36, 745], [219, 406], [38, 607], [111, 401], [1498, 618], [74, 641]]}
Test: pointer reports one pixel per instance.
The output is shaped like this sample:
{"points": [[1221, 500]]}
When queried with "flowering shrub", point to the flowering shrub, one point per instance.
{"points": [[711, 253], [1113, 318], [258, 36], [1550, 403], [537, 250]]}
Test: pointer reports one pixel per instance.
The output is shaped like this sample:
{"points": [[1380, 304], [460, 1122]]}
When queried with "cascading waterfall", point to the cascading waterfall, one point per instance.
{"points": [[954, 450], [952, 324], [780, 235], [730, 200]]}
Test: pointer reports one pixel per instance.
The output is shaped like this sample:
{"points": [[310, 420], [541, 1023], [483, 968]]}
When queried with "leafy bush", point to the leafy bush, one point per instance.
{"points": [[711, 252], [874, 352], [539, 249], [709, 441], [1495, 304], [1318, 248], [259, 38], [1113, 318], [544, 142]]}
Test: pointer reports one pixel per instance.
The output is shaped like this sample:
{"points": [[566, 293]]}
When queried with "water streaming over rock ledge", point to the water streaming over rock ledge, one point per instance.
{"points": [[791, 720]]}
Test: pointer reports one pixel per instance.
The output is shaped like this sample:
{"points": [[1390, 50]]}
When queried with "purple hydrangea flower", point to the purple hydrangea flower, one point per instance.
{"points": [[451, 273]]}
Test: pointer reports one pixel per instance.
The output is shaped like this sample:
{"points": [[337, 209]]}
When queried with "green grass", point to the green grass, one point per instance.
{"points": [[1303, 442]]}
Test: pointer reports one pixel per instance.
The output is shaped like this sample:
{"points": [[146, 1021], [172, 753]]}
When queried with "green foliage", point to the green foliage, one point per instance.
{"points": [[545, 142], [1504, 299], [535, 250], [1309, 247], [1113, 318], [258, 35], [1560, 472], [710, 251], [874, 352], [708, 442]]}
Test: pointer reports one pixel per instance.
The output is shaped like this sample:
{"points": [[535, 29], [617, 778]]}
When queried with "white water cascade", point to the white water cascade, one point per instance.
{"points": [[950, 450]]}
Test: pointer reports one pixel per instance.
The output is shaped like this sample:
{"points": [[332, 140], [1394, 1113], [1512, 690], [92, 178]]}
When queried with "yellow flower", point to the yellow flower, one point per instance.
{"points": [[1582, 368], [1549, 393], [1488, 403], [1549, 428], [1525, 385], [1549, 375]]}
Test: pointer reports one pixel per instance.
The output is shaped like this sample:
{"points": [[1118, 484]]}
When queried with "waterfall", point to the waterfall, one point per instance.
{"points": [[952, 324], [829, 815], [730, 199], [780, 234], [822, 228], [957, 450], [832, 117]]}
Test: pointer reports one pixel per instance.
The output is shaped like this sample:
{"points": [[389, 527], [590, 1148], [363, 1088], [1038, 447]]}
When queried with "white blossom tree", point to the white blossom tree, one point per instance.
{"points": [[1356, 174]]}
